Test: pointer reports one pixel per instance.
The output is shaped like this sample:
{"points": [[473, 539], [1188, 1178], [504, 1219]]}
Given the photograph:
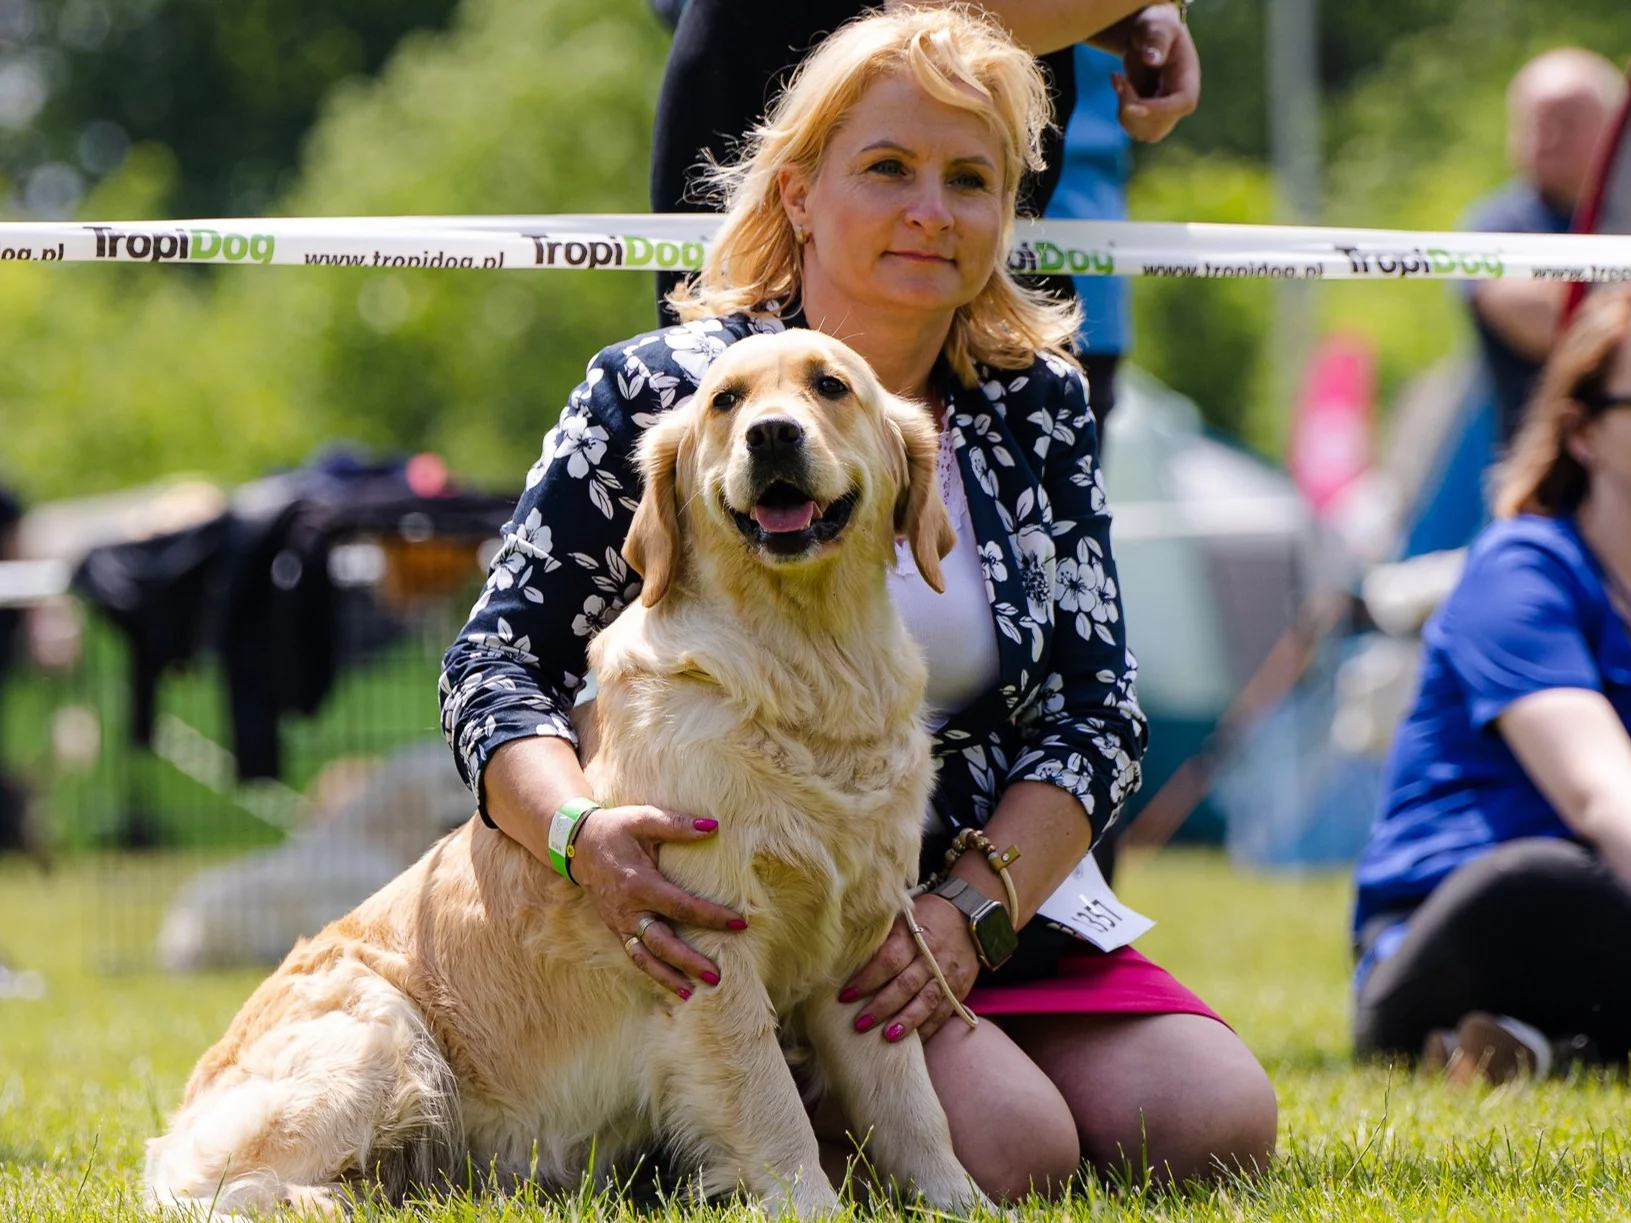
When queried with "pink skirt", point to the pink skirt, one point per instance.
{"points": [[1094, 983]]}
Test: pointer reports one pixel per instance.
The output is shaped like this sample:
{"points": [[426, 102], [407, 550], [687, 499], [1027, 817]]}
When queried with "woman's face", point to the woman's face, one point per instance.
{"points": [[907, 209]]}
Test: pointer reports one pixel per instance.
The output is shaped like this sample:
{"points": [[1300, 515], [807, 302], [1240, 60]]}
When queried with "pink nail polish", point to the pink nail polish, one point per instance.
{"points": [[895, 1032], [685, 995], [864, 1022], [736, 923], [849, 995], [712, 978], [705, 825]]}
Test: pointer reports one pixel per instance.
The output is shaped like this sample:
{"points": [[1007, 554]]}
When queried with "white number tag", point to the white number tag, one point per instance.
{"points": [[1085, 906]]}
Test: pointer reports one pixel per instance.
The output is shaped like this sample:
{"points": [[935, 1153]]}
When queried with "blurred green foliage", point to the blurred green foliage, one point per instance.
{"points": [[1413, 127], [230, 89], [109, 376], [112, 375]]}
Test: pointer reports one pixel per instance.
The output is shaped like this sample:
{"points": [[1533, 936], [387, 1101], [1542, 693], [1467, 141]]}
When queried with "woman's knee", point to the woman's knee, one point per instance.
{"points": [[1222, 1123], [1178, 1097], [1011, 1129], [1029, 1146], [1232, 1122]]}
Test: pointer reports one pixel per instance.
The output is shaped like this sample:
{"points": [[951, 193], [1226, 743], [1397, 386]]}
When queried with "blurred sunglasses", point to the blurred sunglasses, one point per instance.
{"points": [[1594, 397]]}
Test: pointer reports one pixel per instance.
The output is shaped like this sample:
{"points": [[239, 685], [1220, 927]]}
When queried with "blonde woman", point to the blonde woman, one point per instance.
{"points": [[1496, 887], [875, 204]]}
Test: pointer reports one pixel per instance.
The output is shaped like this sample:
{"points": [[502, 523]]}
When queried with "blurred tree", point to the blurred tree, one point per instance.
{"points": [[229, 88], [1356, 42]]}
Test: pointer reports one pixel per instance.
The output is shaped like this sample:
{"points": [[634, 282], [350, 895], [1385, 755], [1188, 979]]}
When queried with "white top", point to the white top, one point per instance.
{"points": [[954, 629]]}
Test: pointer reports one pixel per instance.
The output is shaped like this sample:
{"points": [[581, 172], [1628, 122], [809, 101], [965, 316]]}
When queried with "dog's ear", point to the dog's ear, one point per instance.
{"points": [[653, 543], [920, 512]]}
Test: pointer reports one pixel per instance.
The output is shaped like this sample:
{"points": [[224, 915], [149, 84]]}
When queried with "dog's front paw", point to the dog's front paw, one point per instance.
{"points": [[807, 1198], [960, 1197]]}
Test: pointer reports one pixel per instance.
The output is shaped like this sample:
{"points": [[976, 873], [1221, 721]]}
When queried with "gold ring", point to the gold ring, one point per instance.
{"points": [[646, 923], [630, 943]]}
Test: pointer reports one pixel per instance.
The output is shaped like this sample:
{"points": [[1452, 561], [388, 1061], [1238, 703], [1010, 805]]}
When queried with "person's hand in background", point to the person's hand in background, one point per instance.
{"points": [[1162, 81]]}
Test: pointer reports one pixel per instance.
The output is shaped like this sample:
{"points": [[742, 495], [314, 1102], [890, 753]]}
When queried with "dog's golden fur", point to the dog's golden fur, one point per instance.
{"points": [[476, 1012]]}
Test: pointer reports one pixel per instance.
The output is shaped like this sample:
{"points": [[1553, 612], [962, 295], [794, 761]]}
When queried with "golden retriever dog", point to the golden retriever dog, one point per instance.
{"points": [[475, 1012]]}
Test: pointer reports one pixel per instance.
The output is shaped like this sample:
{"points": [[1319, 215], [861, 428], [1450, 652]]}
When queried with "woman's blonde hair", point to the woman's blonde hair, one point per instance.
{"points": [[958, 57], [1539, 475]]}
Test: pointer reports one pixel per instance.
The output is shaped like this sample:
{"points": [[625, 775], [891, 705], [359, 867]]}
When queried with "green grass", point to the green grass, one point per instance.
{"points": [[89, 1072], [372, 707]]}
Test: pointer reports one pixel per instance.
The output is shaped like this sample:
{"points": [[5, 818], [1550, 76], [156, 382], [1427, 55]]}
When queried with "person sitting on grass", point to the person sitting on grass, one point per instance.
{"points": [[875, 203], [1497, 880]]}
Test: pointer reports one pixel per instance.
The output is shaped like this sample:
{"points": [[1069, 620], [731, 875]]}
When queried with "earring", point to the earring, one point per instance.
{"points": [[800, 234]]}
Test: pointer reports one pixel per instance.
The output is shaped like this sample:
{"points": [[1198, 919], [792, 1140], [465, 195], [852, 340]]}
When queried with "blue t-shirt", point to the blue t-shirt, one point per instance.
{"points": [[1516, 208], [1531, 612], [1093, 187]]}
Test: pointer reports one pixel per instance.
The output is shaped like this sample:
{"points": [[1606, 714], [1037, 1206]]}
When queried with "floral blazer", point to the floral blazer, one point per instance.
{"points": [[1063, 711]]}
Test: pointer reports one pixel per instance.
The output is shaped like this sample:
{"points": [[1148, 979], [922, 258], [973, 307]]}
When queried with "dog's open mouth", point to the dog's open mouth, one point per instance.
{"points": [[786, 520]]}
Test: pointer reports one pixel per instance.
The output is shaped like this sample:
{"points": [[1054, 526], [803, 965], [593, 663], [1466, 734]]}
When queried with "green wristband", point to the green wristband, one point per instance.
{"points": [[563, 833]]}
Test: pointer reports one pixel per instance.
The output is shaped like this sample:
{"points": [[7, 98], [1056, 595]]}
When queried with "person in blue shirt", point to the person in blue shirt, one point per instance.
{"points": [[1092, 186], [1495, 890], [1558, 106]]}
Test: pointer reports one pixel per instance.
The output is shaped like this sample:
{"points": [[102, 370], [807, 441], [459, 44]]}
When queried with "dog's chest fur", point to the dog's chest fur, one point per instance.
{"points": [[818, 775]]}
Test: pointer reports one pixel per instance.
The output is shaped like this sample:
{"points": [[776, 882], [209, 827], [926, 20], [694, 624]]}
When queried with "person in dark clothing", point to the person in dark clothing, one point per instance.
{"points": [[1558, 106], [1496, 883], [874, 209]]}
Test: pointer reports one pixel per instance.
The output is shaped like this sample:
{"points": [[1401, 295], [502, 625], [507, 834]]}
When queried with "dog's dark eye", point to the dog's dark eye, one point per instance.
{"points": [[829, 387], [726, 400]]}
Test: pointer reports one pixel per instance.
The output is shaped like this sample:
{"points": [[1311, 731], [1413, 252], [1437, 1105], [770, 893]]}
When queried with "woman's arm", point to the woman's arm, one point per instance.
{"points": [[1084, 737], [1524, 313], [1045, 26], [1085, 733], [1577, 752], [558, 576], [1046, 825], [1163, 69]]}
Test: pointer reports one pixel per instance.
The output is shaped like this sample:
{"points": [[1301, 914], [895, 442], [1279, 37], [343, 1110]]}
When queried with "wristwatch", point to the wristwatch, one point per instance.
{"points": [[994, 937]]}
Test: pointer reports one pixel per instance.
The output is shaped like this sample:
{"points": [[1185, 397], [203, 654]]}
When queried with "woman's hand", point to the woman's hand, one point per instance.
{"points": [[615, 861], [900, 989], [1162, 82]]}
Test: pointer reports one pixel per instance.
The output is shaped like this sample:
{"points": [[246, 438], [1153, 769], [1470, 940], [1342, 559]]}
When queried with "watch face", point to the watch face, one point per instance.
{"points": [[995, 934]]}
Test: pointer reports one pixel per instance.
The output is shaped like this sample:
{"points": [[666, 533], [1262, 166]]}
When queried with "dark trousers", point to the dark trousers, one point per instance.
{"points": [[1537, 929]]}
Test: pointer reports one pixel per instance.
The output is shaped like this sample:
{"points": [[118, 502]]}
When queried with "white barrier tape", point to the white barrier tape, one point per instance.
{"points": [[638, 242], [24, 583]]}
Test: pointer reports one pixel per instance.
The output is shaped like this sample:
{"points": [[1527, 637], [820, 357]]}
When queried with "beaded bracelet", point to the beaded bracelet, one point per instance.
{"points": [[1000, 860]]}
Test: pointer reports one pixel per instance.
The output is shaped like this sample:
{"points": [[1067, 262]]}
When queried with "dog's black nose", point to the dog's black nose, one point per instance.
{"points": [[774, 435]]}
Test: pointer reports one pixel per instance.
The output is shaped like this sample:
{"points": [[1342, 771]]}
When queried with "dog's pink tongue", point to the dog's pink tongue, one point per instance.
{"points": [[780, 519]]}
